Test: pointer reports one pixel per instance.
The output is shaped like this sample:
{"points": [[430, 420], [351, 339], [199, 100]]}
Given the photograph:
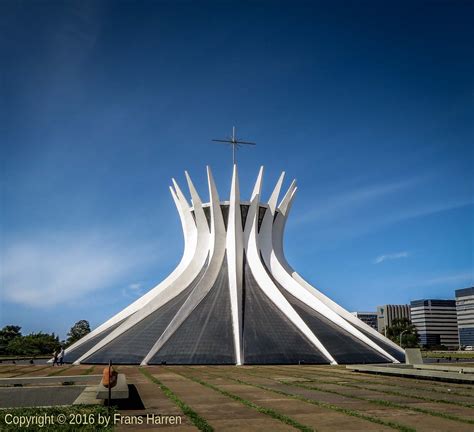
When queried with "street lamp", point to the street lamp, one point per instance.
{"points": [[401, 334]]}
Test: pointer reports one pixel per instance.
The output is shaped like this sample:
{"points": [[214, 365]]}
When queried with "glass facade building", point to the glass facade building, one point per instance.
{"points": [[465, 315], [370, 318], [436, 322]]}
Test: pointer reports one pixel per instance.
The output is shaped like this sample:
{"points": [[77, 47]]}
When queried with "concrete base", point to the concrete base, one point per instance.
{"points": [[88, 397], [446, 368], [413, 356], [120, 391]]}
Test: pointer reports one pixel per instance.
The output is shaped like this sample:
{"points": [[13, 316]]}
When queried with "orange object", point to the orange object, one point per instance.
{"points": [[109, 377]]}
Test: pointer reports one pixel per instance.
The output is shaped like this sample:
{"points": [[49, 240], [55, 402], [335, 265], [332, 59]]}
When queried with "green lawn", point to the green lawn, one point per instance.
{"points": [[447, 354]]}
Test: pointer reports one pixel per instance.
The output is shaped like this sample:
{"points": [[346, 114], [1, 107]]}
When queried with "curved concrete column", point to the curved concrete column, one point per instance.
{"points": [[189, 258], [280, 261], [216, 252], [234, 246], [270, 229], [265, 282], [206, 245], [197, 239]]}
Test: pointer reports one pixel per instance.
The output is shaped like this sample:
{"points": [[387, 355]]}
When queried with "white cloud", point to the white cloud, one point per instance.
{"points": [[134, 290], [392, 256], [357, 212], [467, 277], [427, 209], [135, 286], [347, 201], [56, 269]]}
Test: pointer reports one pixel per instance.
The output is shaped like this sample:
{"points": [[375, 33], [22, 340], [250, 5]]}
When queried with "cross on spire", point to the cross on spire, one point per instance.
{"points": [[234, 142]]}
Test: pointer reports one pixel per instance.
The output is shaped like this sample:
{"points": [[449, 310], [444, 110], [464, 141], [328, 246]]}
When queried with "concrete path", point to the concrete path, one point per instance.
{"points": [[342, 400], [220, 411], [155, 403], [317, 417], [11, 397]]}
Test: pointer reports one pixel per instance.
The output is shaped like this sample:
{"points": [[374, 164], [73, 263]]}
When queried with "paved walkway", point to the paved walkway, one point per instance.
{"points": [[277, 398], [220, 411], [11, 397]]}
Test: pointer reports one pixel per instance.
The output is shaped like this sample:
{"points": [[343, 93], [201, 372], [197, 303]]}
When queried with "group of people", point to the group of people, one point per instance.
{"points": [[58, 357]]}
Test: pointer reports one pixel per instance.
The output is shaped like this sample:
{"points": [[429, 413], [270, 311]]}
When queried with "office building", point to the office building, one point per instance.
{"points": [[465, 314], [370, 318], [436, 322], [387, 313]]}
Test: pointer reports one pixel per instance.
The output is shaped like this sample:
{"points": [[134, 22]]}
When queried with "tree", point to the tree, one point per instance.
{"points": [[34, 344], [410, 334], [78, 331], [7, 334]]}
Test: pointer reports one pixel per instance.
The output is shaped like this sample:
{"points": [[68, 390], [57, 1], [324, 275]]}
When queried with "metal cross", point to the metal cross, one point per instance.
{"points": [[234, 142]]}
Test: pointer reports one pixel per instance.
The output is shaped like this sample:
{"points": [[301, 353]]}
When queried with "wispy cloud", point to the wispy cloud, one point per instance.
{"points": [[364, 210], [57, 269], [341, 203], [134, 290], [466, 276], [392, 256], [426, 209]]}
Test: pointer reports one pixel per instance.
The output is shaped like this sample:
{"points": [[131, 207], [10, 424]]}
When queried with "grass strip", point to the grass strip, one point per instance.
{"points": [[195, 418], [390, 392], [60, 370], [463, 355], [28, 371], [375, 401], [13, 369], [261, 409], [396, 393], [383, 382], [394, 379], [349, 412], [88, 371], [383, 403], [364, 385]]}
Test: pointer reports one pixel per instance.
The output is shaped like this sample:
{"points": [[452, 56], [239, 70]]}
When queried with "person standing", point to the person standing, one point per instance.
{"points": [[61, 356], [55, 358]]}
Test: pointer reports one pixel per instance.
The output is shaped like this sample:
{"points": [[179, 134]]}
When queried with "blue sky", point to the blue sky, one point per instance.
{"points": [[368, 105]]}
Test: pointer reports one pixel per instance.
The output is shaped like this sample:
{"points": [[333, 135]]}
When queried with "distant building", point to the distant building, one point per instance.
{"points": [[465, 314], [436, 322], [370, 318], [387, 313]]}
